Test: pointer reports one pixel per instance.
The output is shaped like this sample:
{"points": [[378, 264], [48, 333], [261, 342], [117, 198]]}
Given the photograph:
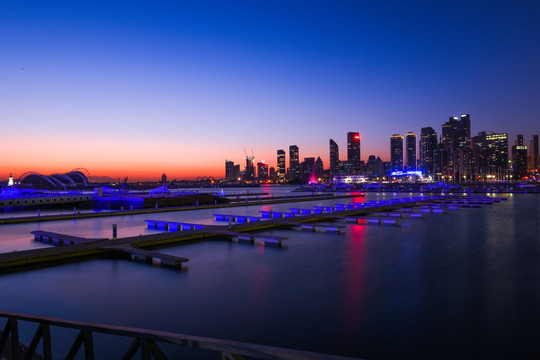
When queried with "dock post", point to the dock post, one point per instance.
{"points": [[197, 203], [230, 225], [37, 212], [156, 205], [215, 201], [74, 210], [114, 230]]}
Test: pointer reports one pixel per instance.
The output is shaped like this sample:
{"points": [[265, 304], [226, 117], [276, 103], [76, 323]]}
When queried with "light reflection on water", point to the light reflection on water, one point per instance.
{"points": [[464, 284]]}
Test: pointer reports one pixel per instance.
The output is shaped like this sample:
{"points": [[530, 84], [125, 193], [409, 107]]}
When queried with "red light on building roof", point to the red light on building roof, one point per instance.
{"points": [[356, 137]]}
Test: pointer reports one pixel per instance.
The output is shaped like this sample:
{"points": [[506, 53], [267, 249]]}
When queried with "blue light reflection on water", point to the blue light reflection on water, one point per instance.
{"points": [[463, 284]]}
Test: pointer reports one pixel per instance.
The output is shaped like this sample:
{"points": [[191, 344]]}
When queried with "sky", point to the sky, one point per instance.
{"points": [[142, 88]]}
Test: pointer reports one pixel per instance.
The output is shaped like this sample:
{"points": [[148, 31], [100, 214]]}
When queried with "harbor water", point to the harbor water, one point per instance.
{"points": [[463, 284]]}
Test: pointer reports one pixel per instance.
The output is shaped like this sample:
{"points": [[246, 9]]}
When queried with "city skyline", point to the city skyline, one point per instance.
{"points": [[178, 88]]}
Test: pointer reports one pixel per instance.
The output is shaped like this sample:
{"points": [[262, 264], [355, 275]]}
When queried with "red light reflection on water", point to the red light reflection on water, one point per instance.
{"points": [[358, 197], [354, 282]]}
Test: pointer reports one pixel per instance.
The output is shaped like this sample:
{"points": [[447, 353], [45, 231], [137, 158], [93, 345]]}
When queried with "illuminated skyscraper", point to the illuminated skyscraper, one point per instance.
{"points": [[281, 165], [455, 150], [396, 152], [497, 155], [428, 145], [410, 140], [353, 150], [334, 158], [294, 163]]}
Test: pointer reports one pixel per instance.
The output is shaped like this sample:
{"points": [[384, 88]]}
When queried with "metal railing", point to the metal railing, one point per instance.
{"points": [[145, 342]]}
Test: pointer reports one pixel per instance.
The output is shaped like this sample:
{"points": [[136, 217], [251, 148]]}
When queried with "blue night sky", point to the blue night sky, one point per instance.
{"points": [[132, 88]]}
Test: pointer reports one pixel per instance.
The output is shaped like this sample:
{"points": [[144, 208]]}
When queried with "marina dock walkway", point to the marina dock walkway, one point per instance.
{"points": [[78, 248], [275, 200]]}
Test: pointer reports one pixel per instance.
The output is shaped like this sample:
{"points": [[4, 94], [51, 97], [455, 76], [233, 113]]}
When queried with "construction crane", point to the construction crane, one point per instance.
{"points": [[250, 166]]}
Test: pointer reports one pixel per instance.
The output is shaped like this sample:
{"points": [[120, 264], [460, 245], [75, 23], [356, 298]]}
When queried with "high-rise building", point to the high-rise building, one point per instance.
{"points": [[229, 170], [371, 167], [457, 131], [410, 141], [249, 172], [497, 155], [353, 150], [396, 152], [262, 171], [236, 173], [281, 165], [428, 145], [294, 163], [455, 152], [308, 169], [534, 145], [273, 174], [319, 168], [334, 158], [480, 156], [533, 152], [519, 158]]}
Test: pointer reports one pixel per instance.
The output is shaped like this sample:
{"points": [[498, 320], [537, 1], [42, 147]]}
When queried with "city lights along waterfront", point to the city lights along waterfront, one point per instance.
{"points": [[275, 180], [460, 283]]}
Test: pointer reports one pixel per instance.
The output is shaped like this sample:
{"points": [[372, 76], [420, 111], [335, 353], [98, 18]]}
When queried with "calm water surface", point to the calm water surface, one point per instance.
{"points": [[464, 284]]}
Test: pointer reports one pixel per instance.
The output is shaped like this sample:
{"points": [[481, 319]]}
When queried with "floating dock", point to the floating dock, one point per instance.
{"points": [[172, 225], [73, 248]]}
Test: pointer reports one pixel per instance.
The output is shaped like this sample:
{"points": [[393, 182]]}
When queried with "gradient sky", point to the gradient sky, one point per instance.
{"points": [[133, 88]]}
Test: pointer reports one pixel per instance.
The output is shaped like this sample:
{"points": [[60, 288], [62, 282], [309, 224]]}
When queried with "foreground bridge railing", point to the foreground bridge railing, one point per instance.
{"points": [[145, 342]]}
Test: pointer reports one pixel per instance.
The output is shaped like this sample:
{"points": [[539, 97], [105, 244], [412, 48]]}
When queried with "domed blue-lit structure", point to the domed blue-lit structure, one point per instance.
{"points": [[76, 178]]}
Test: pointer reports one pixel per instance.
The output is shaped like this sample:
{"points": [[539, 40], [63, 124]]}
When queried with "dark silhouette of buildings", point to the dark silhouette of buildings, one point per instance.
{"points": [[236, 173], [262, 171], [374, 168], [229, 170], [249, 172], [308, 169], [334, 158], [273, 174], [294, 164], [533, 152], [519, 158], [319, 168]]}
